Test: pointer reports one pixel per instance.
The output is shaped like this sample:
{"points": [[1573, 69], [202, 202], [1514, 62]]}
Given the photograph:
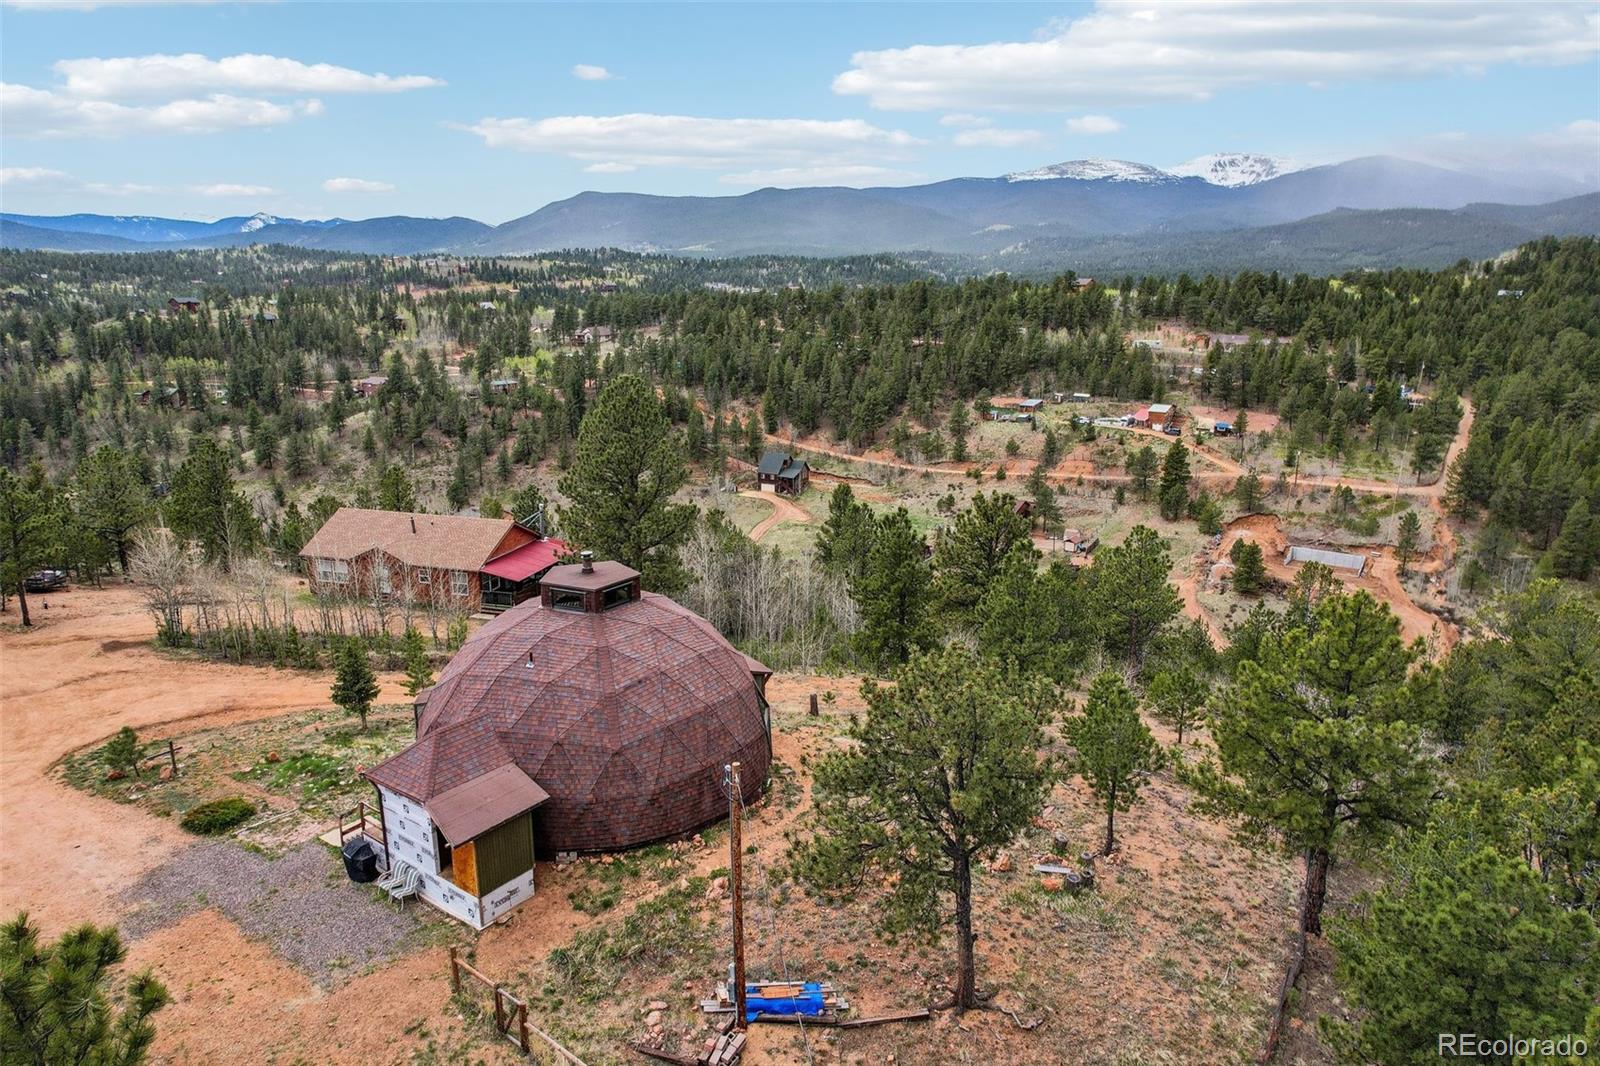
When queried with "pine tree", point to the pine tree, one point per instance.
{"points": [[945, 770], [845, 539], [57, 1006], [1249, 568], [1573, 553], [395, 490], [206, 508], [1405, 545], [355, 686], [1115, 749], [113, 500], [1133, 597], [893, 594], [1468, 944], [628, 467], [1315, 739], [1247, 491], [419, 671], [959, 426], [1179, 696], [1142, 466], [528, 504], [1038, 620], [1174, 492], [970, 552]]}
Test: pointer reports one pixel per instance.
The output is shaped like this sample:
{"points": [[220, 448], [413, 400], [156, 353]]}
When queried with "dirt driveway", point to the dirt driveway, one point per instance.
{"points": [[783, 510], [84, 671]]}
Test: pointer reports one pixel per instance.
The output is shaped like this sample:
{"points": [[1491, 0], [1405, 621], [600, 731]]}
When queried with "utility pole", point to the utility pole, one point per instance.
{"points": [[736, 887]]}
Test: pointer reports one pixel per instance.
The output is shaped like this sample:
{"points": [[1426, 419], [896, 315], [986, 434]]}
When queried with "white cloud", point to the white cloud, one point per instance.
{"points": [[1143, 51], [176, 75], [680, 140], [356, 185], [188, 93], [222, 189], [29, 112], [798, 177], [590, 72], [1570, 153], [610, 168], [29, 175], [990, 138], [961, 120], [1091, 125]]}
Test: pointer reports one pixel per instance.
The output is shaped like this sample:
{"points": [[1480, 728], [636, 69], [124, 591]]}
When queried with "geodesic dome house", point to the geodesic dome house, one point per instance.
{"points": [[596, 718]]}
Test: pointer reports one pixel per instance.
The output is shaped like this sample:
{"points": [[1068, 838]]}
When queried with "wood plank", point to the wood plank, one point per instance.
{"points": [[903, 1016], [665, 1056]]}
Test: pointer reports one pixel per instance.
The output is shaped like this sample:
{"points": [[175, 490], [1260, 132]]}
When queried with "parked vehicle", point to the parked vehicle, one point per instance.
{"points": [[1172, 430], [45, 581]]}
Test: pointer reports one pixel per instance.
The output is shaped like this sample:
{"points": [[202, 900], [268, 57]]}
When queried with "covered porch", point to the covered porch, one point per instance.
{"points": [[507, 580]]}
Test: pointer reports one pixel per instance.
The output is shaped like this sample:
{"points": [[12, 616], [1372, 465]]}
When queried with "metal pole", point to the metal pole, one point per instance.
{"points": [[736, 886]]}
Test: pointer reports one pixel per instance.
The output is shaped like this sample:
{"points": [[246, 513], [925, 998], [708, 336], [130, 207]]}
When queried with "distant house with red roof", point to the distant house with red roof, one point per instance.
{"points": [[476, 563]]}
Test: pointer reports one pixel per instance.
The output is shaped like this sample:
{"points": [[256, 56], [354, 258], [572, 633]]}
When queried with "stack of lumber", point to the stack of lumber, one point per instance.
{"points": [[722, 1002]]}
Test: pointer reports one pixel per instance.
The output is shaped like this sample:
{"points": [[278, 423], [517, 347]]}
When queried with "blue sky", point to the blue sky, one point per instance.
{"points": [[492, 110]]}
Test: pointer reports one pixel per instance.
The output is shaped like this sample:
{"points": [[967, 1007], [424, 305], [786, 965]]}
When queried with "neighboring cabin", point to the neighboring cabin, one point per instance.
{"points": [[782, 473], [184, 303], [369, 385], [481, 563]]}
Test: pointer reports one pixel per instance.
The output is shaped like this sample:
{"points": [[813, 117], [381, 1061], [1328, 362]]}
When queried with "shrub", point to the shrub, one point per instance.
{"points": [[218, 816]]}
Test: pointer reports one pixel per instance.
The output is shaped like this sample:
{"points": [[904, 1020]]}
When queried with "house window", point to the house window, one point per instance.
{"points": [[424, 576], [566, 600], [385, 580], [333, 571], [616, 597], [458, 582]]}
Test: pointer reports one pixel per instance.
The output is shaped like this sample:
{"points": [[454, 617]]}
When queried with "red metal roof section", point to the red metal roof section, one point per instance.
{"points": [[624, 717], [521, 563]]}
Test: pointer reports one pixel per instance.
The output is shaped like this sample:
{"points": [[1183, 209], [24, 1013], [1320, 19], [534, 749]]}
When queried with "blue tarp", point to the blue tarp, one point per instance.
{"points": [[808, 1002]]}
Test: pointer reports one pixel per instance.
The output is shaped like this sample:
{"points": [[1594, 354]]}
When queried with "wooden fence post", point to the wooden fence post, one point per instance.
{"points": [[499, 1011], [522, 1026], [455, 972], [813, 705], [172, 757]]}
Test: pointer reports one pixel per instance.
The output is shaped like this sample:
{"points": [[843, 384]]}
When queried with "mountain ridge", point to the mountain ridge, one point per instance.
{"points": [[1062, 205]]}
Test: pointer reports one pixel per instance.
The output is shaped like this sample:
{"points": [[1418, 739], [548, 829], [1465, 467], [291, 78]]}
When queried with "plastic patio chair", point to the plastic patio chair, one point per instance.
{"points": [[408, 886]]}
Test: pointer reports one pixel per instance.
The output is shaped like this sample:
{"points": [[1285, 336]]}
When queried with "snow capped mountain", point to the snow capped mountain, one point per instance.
{"points": [[1094, 170], [1235, 169], [256, 221]]}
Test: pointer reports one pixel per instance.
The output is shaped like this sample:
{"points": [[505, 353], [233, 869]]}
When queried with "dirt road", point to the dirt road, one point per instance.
{"points": [[1381, 579], [83, 672], [783, 510], [1226, 471]]}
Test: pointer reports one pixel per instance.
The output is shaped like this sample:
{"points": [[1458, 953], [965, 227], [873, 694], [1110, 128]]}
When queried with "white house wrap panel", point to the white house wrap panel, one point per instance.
{"points": [[507, 896], [410, 836]]}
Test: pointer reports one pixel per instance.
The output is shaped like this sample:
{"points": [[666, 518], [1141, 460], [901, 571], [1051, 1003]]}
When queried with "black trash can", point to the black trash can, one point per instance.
{"points": [[361, 860]]}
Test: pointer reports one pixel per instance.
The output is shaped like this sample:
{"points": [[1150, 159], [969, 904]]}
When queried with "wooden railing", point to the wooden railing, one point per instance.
{"points": [[510, 1013], [361, 819]]}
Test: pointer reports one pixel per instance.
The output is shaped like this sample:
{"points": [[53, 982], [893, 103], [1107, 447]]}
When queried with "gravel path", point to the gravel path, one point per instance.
{"points": [[301, 905]]}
